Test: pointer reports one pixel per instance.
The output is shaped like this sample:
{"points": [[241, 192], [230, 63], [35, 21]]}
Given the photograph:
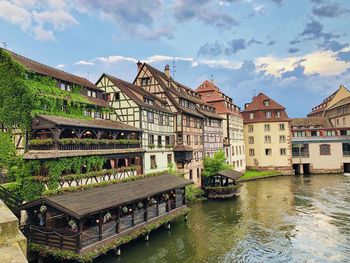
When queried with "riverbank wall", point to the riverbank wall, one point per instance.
{"points": [[13, 244]]}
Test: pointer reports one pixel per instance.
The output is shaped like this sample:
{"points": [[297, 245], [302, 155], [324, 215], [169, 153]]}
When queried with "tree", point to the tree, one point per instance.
{"points": [[215, 164]]}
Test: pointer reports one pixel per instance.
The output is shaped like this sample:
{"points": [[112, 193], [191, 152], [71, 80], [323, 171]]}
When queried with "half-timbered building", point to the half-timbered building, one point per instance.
{"points": [[182, 101], [139, 108], [232, 124]]}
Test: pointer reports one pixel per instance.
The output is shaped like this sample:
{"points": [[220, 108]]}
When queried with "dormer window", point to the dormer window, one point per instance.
{"points": [[251, 116], [145, 81], [91, 93], [277, 114], [268, 114], [65, 86], [148, 101], [266, 103]]}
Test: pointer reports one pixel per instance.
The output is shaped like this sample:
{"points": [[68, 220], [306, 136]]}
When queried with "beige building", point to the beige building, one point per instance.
{"points": [[232, 123], [321, 142], [267, 135]]}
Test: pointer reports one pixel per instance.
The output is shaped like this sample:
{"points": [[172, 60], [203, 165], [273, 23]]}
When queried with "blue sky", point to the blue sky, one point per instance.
{"points": [[295, 51]]}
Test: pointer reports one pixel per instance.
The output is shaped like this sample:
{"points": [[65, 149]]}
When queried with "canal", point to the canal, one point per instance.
{"points": [[284, 219]]}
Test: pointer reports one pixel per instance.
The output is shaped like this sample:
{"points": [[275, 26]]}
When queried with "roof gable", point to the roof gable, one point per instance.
{"points": [[258, 104]]}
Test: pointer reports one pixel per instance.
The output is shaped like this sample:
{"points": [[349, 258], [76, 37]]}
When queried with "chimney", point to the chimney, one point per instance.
{"points": [[139, 65], [246, 105], [167, 70]]}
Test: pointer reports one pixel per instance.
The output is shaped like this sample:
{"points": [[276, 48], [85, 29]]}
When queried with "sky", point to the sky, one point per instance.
{"points": [[295, 51]]}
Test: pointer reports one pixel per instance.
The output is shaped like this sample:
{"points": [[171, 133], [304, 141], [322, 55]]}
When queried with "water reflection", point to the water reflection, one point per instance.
{"points": [[289, 219]]}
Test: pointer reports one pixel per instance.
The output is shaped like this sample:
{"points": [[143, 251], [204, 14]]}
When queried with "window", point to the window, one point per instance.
{"points": [[88, 113], [267, 139], [179, 138], [250, 128], [251, 139], [145, 81], [251, 152], [160, 141], [188, 121], [277, 114], [116, 96], [153, 162], [191, 175], [325, 149], [282, 139], [283, 151], [150, 117], [268, 151], [198, 173], [98, 115], [167, 140], [166, 120], [150, 139], [196, 140], [188, 139], [93, 94], [268, 114], [267, 127], [233, 151], [62, 86], [282, 127], [148, 101], [251, 116], [266, 103], [169, 158], [160, 119]]}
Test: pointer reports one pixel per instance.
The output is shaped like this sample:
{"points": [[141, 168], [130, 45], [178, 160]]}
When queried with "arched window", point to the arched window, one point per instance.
{"points": [[325, 149]]}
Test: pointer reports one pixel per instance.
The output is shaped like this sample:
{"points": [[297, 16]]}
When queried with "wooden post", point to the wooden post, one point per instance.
{"points": [[133, 214], [157, 204], [117, 227], [145, 218], [184, 196], [100, 227]]}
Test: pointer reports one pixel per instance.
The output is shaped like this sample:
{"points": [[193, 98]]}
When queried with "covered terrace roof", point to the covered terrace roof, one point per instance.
{"points": [[91, 201]]}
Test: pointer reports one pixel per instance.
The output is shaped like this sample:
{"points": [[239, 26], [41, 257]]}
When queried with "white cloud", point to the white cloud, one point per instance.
{"points": [[60, 66], [324, 63], [162, 58], [115, 59], [42, 34], [84, 63], [218, 63], [15, 15], [58, 18]]}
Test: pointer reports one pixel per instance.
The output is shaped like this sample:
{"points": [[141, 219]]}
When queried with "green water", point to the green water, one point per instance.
{"points": [[285, 219]]}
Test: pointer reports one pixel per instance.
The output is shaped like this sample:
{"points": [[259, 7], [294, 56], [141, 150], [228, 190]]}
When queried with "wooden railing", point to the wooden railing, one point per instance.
{"points": [[91, 147], [55, 238], [10, 199]]}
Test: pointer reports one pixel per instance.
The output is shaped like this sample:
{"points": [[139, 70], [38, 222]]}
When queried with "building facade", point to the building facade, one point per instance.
{"points": [[232, 123], [267, 135], [321, 141], [139, 108], [184, 102]]}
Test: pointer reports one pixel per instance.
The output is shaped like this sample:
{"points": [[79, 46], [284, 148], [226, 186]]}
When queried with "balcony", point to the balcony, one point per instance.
{"points": [[72, 144], [303, 154]]}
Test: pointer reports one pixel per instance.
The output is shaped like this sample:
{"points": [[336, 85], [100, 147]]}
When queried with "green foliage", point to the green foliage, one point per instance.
{"points": [[98, 173], [193, 193], [215, 164], [12, 186], [29, 188], [62, 254], [25, 94], [254, 174], [40, 142], [101, 184], [96, 141], [7, 154]]}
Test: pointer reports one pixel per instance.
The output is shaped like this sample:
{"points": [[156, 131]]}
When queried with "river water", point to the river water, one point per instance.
{"points": [[284, 219]]}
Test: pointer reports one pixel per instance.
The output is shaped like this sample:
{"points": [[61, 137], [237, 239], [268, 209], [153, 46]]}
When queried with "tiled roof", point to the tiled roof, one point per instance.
{"points": [[51, 72], [130, 89], [311, 121], [183, 148], [258, 104], [95, 123]]}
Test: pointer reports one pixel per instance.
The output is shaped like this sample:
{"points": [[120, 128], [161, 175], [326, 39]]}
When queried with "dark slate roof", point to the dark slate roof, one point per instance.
{"points": [[95, 123], [183, 148], [232, 174], [210, 114], [51, 72], [91, 201], [129, 89]]}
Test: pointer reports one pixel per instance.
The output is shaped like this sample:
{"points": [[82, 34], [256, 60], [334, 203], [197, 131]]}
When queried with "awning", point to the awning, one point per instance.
{"points": [[232, 174], [90, 201]]}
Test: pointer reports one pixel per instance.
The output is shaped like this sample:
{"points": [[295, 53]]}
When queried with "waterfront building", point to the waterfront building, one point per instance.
{"points": [[267, 135], [82, 225], [319, 147], [232, 123], [184, 102], [137, 107], [71, 119], [321, 141]]}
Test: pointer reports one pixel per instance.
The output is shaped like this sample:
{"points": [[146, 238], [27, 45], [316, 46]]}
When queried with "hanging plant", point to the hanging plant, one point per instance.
{"points": [[153, 201], [139, 204], [43, 209], [72, 224], [125, 209], [107, 217]]}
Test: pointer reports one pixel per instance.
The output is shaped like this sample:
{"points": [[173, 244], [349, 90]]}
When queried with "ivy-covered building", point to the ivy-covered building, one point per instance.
{"points": [[62, 129]]}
